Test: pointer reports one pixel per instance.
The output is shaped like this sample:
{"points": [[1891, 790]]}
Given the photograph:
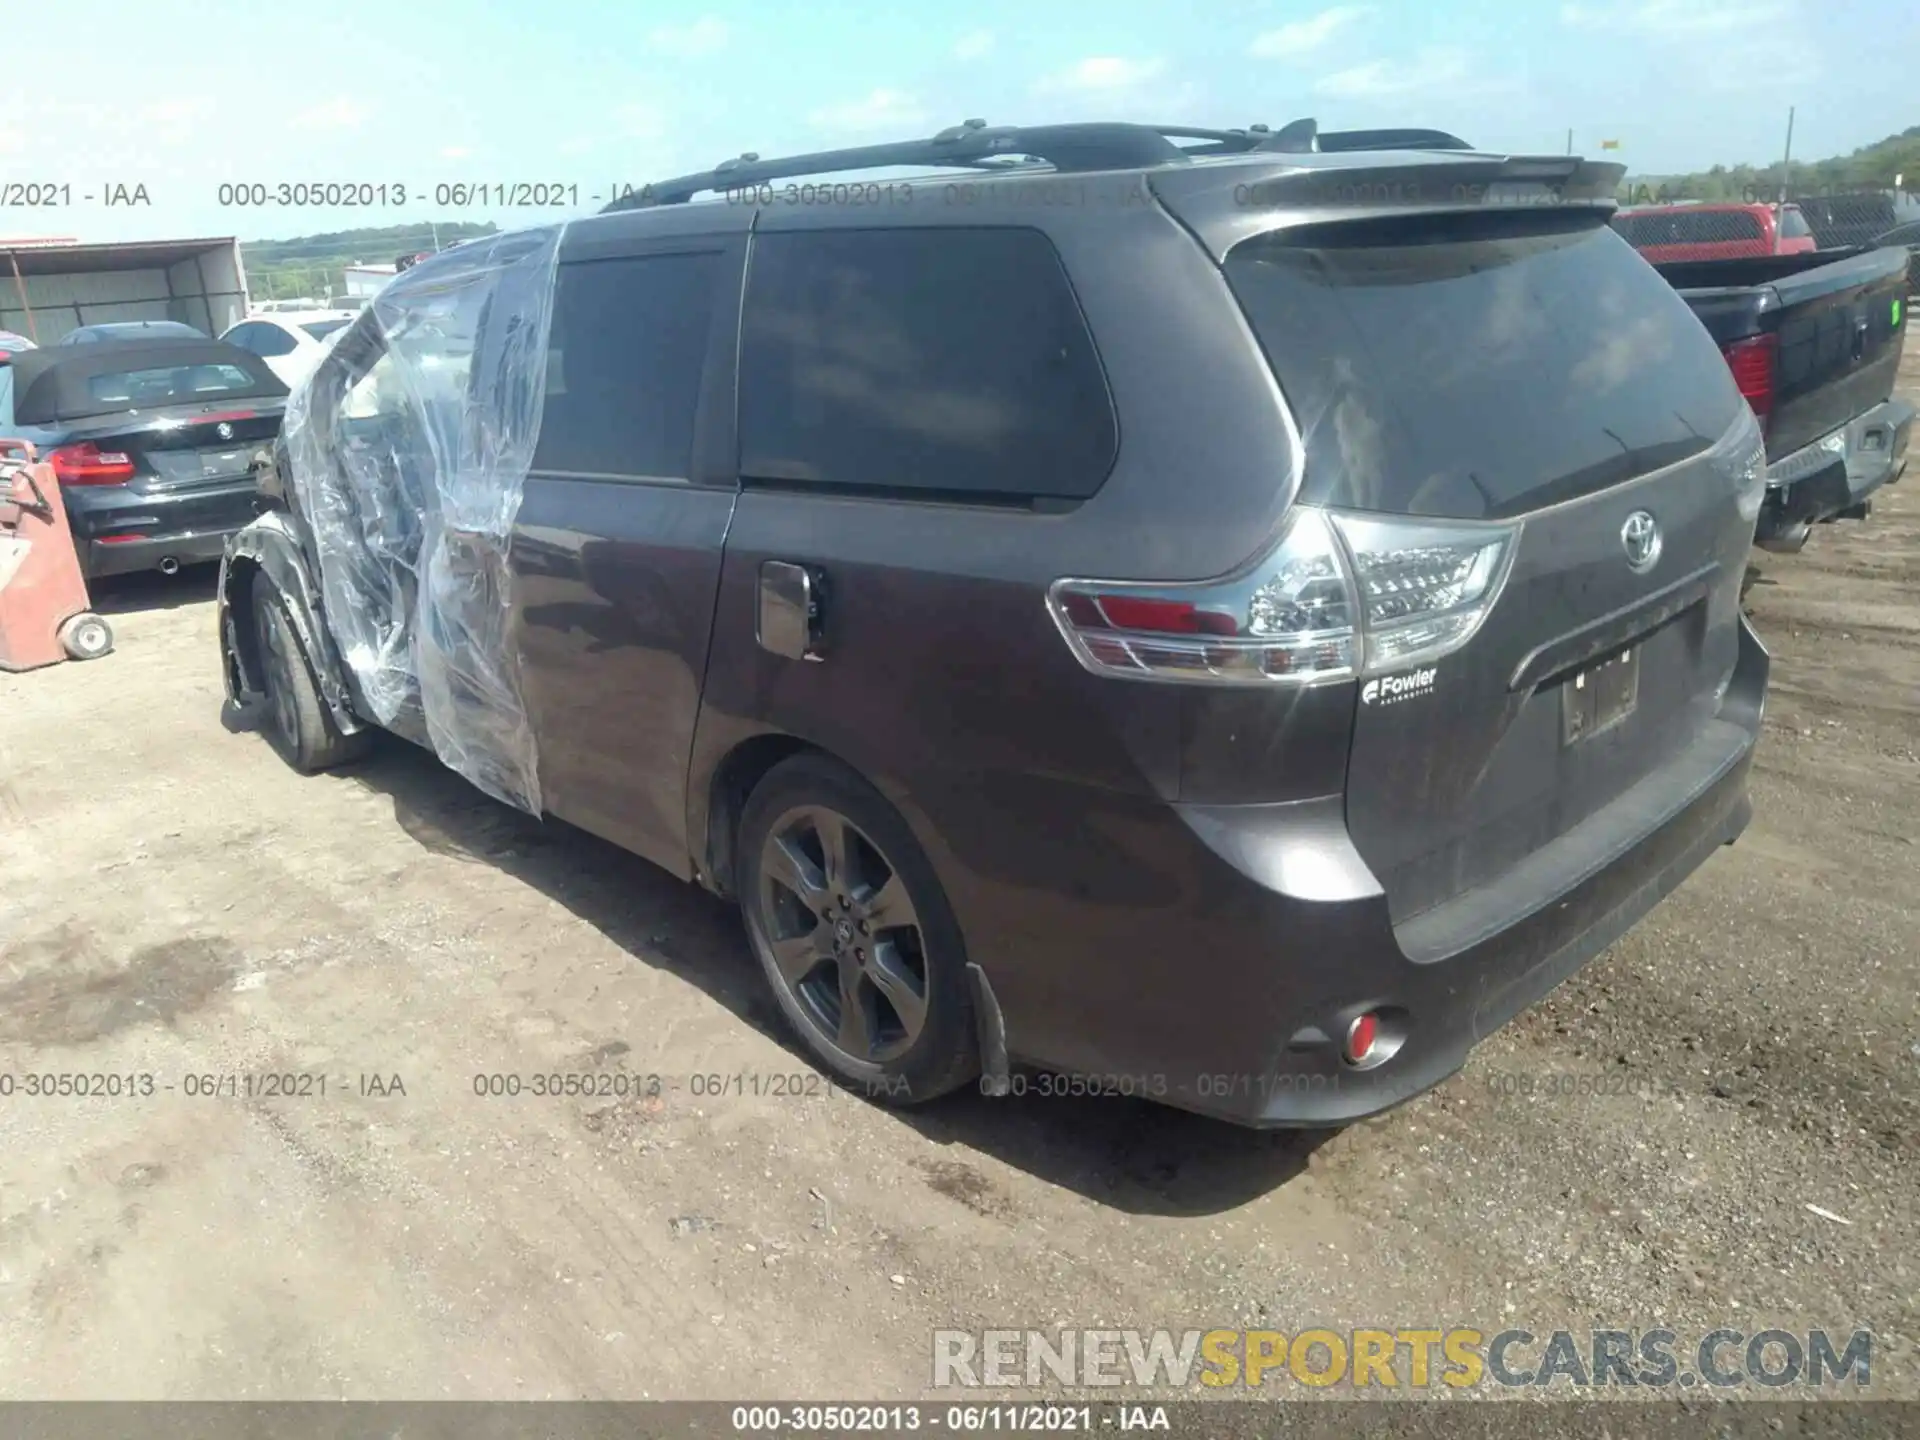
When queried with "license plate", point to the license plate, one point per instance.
{"points": [[1600, 696], [216, 464]]}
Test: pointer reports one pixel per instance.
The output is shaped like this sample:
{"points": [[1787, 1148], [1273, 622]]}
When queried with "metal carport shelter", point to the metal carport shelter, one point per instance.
{"points": [[50, 287]]}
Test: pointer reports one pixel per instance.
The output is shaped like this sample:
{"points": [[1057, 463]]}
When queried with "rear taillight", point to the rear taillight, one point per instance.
{"points": [[1742, 453], [1752, 363], [1340, 595], [88, 464]]}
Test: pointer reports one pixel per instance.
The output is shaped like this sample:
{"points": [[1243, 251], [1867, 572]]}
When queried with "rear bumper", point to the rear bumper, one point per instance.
{"points": [[1835, 476], [120, 531], [1281, 954], [126, 557]]}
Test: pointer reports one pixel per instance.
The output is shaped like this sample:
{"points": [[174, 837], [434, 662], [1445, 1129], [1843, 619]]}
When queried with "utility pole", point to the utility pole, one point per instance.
{"points": [[1786, 161], [1569, 141]]}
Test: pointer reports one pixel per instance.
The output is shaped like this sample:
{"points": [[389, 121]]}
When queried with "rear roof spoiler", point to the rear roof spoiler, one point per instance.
{"points": [[1225, 204]]}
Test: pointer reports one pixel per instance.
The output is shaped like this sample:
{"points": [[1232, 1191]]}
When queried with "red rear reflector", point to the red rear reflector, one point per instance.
{"points": [[1752, 363], [1361, 1036], [88, 464], [1147, 613], [119, 539]]}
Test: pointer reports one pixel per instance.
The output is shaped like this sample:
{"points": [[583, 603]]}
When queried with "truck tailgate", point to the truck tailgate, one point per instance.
{"points": [[1837, 325]]}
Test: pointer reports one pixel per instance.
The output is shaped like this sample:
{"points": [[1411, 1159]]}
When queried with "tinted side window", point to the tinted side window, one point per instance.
{"points": [[1793, 226], [271, 340], [953, 361], [243, 336], [624, 360]]}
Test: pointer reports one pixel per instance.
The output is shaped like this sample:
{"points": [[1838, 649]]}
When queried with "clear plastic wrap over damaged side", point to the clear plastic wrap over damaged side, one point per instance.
{"points": [[409, 451]]}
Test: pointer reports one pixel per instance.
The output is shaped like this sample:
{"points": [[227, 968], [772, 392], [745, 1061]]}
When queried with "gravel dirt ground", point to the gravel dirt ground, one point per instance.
{"points": [[174, 901]]}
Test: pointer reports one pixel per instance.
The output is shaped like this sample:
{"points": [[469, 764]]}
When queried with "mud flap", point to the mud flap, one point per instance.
{"points": [[991, 1027]]}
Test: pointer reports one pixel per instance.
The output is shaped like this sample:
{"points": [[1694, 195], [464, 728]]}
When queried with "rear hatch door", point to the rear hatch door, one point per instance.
{"points": [[1517, 365]]}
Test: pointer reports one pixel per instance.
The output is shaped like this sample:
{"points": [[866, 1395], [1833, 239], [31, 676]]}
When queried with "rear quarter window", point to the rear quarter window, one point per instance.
{"points": [[950, 362], [1483, 376]]}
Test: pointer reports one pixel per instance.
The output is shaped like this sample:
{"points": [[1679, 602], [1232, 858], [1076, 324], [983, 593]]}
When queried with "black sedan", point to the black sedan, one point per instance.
{"points": [[151, 441]]}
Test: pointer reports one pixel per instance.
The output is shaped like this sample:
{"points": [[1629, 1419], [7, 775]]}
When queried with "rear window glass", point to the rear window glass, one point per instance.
{"points": [[320, 329], [1688, 227], [168, 385], [1479, 377], [1793, 226], [948, 361]]}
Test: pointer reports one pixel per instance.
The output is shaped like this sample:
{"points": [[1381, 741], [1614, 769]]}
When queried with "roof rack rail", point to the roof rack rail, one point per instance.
{"points": [[975, 145]]}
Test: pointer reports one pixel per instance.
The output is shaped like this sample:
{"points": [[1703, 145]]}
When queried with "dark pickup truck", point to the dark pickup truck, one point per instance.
{"points": [[1813, 341]]}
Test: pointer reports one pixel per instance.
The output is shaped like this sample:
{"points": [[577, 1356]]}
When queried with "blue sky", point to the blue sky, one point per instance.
{"points": [[592, 91]]}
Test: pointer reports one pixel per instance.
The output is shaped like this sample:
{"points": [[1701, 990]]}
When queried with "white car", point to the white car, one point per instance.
{"points": [[292, 342]]}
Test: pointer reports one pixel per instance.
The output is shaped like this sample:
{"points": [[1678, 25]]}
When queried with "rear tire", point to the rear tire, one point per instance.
{"points": [[85, 636], [855, 934], [297, 722]]}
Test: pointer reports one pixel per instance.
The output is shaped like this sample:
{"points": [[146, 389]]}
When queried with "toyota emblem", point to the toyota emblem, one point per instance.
{"points": [[223, 430], [1640, 538]]}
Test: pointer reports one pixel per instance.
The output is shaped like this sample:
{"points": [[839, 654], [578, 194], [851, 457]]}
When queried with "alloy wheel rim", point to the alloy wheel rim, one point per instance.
{"points": [[842, 934]]}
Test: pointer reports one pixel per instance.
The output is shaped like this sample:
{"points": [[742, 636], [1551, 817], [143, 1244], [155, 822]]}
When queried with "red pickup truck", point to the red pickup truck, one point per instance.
{"points": [[1714, 232]]}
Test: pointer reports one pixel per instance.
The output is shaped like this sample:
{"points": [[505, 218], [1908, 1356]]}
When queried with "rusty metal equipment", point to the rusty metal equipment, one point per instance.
{"points": [[45, 613]]}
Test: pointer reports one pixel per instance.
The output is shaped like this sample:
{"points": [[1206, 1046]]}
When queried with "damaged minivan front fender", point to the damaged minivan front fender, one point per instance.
{"points": [[268, 551]]}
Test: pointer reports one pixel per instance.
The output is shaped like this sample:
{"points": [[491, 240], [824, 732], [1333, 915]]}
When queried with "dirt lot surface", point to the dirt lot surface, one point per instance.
{"points": [[176, 902]]}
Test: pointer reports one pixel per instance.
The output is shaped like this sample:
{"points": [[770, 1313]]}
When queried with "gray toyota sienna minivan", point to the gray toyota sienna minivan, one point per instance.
{"points": [[1224, 616]]}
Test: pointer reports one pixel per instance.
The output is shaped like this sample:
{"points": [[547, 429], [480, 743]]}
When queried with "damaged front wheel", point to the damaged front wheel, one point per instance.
{"points": [[297, 721]]}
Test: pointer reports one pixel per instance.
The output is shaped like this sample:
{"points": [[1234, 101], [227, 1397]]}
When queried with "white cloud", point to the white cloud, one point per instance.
{"points": [[704, 36], [878, 110], [1104, 73], [180, 109], [974, 45], [342, 112], [1675, 19], [174, 120], [640, 120], [1298, 37], [1444, 69]]}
